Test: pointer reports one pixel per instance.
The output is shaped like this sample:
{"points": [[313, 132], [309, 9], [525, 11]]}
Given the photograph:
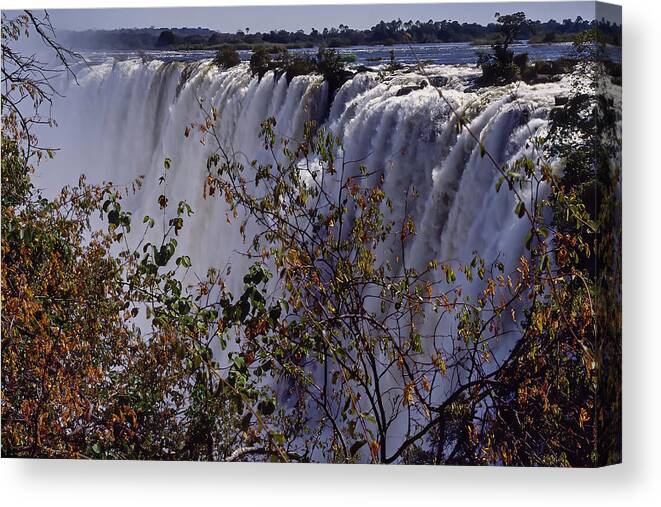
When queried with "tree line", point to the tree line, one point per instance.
{"points": [[383, 33]]}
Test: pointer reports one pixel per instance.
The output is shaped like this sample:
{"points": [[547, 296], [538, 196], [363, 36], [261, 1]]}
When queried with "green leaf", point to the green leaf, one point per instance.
{"points": [[520, 209], [184, 261], [370, 418]]}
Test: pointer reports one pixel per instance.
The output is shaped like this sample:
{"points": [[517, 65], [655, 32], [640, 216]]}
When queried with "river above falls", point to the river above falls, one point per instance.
{"points": [[371, 56]]}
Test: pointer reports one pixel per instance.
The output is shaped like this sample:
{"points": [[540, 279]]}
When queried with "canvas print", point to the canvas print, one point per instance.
{"points": [[317, 233]]}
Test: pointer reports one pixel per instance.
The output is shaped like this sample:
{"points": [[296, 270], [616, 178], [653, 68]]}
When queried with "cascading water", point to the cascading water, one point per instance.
{"points": [[126, 117]]}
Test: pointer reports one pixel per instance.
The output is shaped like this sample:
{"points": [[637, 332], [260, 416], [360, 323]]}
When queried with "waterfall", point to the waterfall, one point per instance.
{"points": [[125, 117]]}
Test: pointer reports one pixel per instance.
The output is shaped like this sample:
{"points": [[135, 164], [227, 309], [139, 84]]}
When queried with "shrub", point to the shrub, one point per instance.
{"points": [[227, 57], [260, 61], [299, 66], [333, 67], [330, 64]]}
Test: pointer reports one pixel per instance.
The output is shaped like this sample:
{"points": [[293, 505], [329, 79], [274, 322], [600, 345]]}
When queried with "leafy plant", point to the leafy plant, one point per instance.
{"points": [[227, 57]]}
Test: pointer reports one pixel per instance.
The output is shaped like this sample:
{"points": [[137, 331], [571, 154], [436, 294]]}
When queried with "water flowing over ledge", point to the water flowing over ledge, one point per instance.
{"points": [[126, 117]]}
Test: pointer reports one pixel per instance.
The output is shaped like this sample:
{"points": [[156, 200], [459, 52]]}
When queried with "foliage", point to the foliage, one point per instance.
{"points": [[293, 66], [501, 66], [260, 61], [227, 57], [383, 33], [356, 321], [585, 135], [166, 38], [105, 354], [330, 64], [27, 80]]}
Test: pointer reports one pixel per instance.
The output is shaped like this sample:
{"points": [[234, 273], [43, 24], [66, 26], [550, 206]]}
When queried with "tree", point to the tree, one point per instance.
{"points": [[511, 25], [27, 79], [501, 66], [354, 322], [215, 39], [105, 354], [166, 38]]}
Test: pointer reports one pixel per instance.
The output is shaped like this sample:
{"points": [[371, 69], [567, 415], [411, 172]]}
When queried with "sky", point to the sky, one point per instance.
{"points": [[306, 17]]}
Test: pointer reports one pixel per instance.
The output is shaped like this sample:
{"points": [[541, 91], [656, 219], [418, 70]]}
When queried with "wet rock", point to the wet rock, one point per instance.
{"points": [[405, 90], [439, 81]]}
